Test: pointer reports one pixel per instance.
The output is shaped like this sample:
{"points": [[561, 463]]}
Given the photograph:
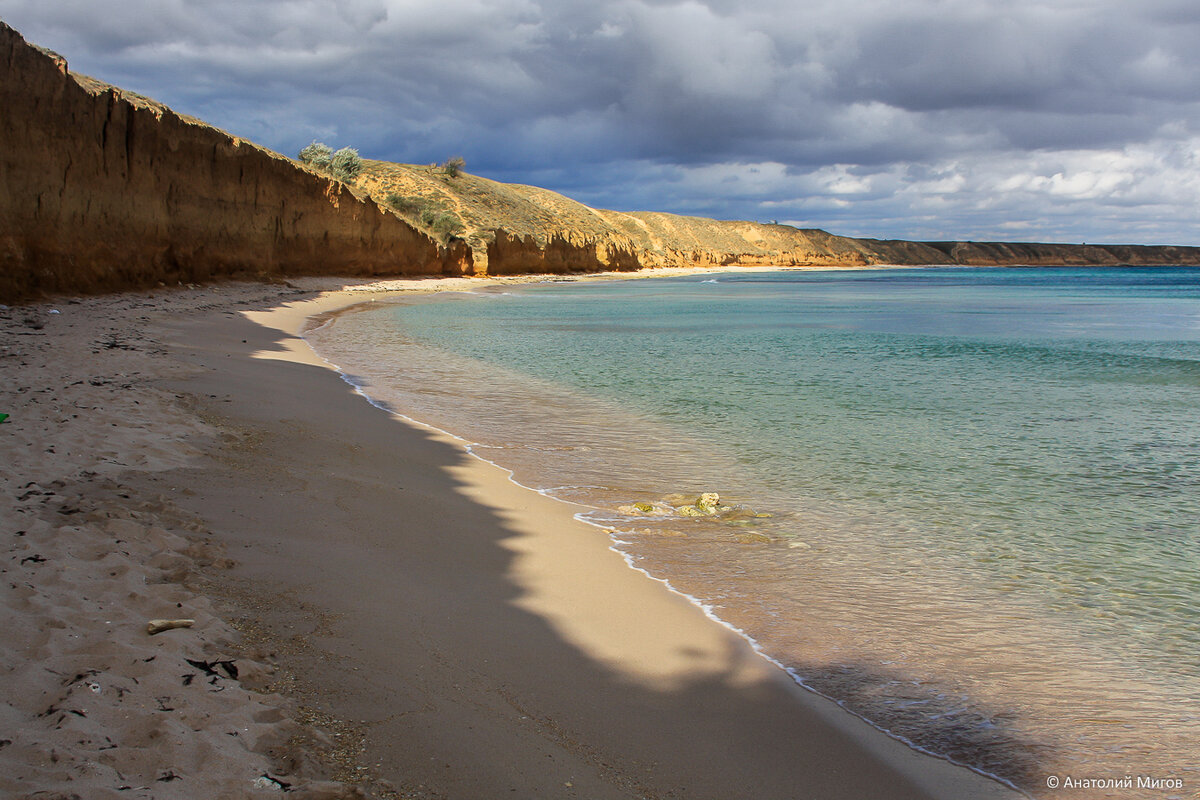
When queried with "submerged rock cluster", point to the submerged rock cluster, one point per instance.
{"points": [[707, 504]]}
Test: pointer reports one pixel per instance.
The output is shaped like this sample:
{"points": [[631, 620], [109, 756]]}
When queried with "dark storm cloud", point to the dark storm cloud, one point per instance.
{"points": [[937, 118]]}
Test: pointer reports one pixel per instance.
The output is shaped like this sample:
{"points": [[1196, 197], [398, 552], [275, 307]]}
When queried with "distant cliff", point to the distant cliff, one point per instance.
{"points": [[102, 189], [538, 226]]}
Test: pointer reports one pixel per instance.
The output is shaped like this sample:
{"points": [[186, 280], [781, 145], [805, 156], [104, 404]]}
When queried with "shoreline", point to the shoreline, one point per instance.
{"points": [[501, 633], [578, 511], [328, 316]]}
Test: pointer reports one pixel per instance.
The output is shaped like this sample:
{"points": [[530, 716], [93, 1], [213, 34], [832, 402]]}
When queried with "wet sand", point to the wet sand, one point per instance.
{"points": [[469, 634]]}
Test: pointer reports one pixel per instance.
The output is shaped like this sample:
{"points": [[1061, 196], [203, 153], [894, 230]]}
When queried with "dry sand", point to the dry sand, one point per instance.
{"points": [[91, 705], [408, 620]]}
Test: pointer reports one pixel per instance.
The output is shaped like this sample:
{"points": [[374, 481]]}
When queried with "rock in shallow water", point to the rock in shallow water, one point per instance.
{"points": [[706, 505]]}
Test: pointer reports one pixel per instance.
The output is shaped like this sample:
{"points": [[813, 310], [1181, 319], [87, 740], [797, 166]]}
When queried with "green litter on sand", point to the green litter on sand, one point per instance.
{"points": [[3, 417]]}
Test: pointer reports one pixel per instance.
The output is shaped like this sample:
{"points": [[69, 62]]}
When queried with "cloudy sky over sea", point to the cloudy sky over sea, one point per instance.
{"points": [[1051, 120]]}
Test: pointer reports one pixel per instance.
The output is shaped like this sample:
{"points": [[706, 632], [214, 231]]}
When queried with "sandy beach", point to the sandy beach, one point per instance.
{"points": [[375, 610]]}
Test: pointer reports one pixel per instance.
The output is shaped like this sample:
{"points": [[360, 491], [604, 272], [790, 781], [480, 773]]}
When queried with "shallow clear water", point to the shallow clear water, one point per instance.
{"points": [[983, 485]]}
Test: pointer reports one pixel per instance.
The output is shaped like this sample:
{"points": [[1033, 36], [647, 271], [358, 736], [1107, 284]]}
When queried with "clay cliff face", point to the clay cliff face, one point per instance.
{"points": [[103, 190], [514, 228], [648, 239]]}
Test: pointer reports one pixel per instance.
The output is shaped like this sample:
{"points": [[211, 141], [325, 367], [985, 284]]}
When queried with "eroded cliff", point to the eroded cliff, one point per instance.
{"points": [[101, 189], [514, 228]]}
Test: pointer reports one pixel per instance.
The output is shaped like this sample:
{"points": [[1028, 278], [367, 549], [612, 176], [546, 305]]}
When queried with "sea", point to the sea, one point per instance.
{"points": [[963, 503]]}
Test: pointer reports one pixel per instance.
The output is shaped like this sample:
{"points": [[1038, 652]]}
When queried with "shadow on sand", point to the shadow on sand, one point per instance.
{"points": [[466, 693]]}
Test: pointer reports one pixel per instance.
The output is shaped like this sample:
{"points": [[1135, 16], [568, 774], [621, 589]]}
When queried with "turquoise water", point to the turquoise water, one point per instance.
{"points": [[983, 485]]}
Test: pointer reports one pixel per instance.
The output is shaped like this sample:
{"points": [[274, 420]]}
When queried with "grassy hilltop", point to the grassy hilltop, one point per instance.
{"points": [[450, 203]]}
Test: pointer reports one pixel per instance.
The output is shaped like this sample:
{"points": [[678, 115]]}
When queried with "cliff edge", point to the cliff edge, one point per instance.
{"points": [[102, 190]]}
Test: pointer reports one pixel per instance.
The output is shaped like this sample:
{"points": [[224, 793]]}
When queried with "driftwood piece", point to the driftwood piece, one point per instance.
{"points": [[159, 625]]}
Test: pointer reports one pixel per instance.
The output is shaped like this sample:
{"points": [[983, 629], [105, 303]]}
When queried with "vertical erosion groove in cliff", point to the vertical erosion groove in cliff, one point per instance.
{"points": [[101, 190]]}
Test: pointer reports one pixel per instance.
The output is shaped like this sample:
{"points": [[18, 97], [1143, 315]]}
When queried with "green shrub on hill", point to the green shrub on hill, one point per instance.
{"points": [[318, 154], [429, 213], [443, 224], [345, 164], [406, 205], [452, 166]]}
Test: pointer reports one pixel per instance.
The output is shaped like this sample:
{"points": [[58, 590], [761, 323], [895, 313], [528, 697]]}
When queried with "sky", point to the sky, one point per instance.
{"points": [[996, 120]]}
